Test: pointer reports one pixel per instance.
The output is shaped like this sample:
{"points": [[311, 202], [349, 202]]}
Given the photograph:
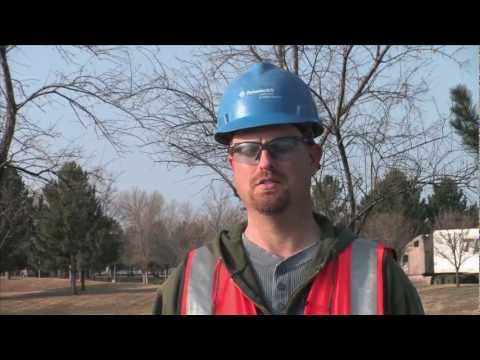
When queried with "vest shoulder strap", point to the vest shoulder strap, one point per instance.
{"points": [[351, 283], [197, 295]]}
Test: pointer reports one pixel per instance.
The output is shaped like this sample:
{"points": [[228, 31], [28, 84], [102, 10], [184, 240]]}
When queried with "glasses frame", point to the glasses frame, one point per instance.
{"points": [[267, 146]]}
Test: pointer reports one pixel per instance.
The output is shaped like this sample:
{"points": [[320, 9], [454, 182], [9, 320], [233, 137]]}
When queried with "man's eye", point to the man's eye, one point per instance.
{"points": [[247, 149], [282, 146]]}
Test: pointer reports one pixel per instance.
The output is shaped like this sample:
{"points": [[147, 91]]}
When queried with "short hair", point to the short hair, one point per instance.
{"points": [[307, 132]]}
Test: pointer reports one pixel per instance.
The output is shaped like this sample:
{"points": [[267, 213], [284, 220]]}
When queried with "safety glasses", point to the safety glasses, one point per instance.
{"points": [[281, 149]]}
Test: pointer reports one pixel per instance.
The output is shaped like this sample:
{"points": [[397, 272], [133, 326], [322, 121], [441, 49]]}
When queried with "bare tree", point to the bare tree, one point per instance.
{"points": [[393, 229], [146, 237], [184, 231], [220, 212], [369, 97], [453, 243], [187, 229], [104, 183], [97, 87]]}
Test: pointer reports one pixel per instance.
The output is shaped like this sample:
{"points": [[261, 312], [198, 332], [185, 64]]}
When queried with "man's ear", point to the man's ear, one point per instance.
{"points": [[316, 153], [230, 160]]}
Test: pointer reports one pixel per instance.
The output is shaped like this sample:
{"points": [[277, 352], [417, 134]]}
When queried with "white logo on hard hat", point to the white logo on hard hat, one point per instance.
{"points": [[262, 93]]}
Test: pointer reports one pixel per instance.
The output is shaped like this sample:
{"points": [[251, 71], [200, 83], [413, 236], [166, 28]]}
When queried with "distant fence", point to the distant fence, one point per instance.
{"points": [[121, 276], [136, 278], [450, 278]]}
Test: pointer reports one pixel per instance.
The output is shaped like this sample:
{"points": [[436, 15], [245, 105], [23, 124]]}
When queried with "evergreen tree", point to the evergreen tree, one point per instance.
{"points": [[67, 219], [397, 193], [16, 222], [106, 244], [446, 196], [465, 117]]}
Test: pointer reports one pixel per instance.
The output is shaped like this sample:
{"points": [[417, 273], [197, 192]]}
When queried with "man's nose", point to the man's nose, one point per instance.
{"points": [[266, 160]]}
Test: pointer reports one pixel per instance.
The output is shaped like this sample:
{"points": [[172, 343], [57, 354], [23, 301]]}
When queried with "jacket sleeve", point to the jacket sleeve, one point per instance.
{"points": [[401, 297], [168, 297]]}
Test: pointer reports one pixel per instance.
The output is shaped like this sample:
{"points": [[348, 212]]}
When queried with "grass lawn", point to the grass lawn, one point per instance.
{"points": [[450, 300], [53, 296]]}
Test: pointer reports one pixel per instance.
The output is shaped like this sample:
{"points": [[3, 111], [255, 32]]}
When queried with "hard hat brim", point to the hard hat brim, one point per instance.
{"points": [[252, 122]]}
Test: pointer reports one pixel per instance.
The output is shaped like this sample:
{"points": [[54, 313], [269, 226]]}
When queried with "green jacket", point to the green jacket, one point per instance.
{"points": [[401, 296]]}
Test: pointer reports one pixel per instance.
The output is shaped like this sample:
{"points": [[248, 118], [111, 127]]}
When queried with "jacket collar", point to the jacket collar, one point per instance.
{"points": [[229, 247]]}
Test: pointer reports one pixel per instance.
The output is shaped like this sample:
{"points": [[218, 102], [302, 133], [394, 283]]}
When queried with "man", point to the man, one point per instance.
{"points": [[285, 259]]}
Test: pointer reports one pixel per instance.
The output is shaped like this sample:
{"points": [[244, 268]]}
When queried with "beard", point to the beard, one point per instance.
{"points": [[269, 202]]}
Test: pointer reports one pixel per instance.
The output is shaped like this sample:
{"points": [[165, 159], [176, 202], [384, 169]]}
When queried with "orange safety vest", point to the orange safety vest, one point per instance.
{"points": [[349, 284]]}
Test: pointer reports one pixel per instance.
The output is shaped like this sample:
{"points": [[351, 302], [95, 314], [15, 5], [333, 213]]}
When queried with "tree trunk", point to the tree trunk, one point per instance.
{"points": [[457, 279], [73, 283], [10, 113], [295, 59], [73, 276], [348, 176], [39, 273], [82, 280], [8, 275], [114, 273]]}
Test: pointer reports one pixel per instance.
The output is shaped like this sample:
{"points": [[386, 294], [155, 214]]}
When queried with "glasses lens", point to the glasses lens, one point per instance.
{"points": [[246, 152], [281, 148]]}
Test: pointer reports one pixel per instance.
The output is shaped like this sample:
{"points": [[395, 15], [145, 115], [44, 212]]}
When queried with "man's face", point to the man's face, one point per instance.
{"points": [[271, 185]]}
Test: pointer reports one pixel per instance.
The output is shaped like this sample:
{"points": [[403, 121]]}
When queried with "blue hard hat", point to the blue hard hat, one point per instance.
{"points": [[266, 95]]}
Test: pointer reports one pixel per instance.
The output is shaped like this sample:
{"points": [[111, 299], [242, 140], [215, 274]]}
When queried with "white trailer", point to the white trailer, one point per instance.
{"points": [[431, 257]]}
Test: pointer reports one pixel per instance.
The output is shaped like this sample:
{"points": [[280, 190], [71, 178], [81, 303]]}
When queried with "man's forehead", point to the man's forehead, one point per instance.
{"points": [[265, 132]]}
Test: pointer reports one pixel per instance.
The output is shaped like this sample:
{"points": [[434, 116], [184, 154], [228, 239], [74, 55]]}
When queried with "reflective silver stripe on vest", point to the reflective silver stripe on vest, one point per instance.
{"points": [[364, 277], [200, 288]]}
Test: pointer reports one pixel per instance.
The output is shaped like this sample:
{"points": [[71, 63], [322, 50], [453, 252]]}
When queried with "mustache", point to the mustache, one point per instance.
{"points": [[267, 175]]}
